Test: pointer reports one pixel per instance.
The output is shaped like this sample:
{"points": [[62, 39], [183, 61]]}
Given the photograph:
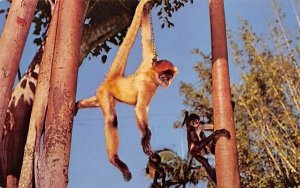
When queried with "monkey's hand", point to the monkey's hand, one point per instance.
{"points": [[155, 159], [149, 5]]}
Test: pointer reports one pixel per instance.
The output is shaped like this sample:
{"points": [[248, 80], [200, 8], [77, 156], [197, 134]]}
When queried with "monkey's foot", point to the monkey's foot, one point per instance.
{"points": [[127, 175], [76, 108], [155, 185], [223, 132]]}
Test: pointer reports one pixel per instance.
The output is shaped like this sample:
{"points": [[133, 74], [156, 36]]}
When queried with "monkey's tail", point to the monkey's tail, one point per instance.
{"points": [[186, 116]]}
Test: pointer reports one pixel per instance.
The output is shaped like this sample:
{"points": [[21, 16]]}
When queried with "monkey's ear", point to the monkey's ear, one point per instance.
{"points": [[175, 71], [186, 116]]}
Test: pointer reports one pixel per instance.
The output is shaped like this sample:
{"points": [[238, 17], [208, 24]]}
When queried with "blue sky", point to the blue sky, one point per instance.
{"points": [[89, 166]]}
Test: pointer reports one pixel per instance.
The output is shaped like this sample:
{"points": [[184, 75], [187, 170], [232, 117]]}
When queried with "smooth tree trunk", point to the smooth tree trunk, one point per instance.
{"points": [[226, 151], [12, 43], [54, 161], [31, 152]]}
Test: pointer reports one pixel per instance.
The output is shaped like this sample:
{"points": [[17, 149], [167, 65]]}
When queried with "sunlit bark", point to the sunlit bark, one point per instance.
{"points": [[54, 161], [31, 152], [226, 152]]}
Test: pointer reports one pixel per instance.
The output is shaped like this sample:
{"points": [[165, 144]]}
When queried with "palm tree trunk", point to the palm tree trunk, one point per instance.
{"points": [[226, 151]]}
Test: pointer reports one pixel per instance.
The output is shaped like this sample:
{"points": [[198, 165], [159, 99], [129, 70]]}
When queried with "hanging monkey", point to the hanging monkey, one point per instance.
{"points": [[136, 89], [199, 144]]}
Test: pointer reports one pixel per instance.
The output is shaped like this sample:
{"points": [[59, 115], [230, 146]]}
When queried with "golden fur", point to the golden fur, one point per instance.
{"points": [[136, 89]]}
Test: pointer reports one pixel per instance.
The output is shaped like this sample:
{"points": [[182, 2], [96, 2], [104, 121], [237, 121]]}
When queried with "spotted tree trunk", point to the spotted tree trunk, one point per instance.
{"points": [[16, 123], [11, 48]]}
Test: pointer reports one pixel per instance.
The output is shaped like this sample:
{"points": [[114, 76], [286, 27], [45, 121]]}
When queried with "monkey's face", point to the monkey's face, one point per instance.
{"points": [[195, 123], [165, 78], [194, 120], [166, 72]]}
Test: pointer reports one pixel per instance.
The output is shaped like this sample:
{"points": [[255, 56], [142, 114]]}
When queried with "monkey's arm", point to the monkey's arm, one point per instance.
{"points": [[192, 135], [147, 43], [202, 135], [141, 111], [118, 66]]}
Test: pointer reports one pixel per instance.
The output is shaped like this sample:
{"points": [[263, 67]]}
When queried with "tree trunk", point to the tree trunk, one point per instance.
{"points": [[226, 152], [20, 105], [17, 121], [38, 113], [54, 161], [11, 47]]}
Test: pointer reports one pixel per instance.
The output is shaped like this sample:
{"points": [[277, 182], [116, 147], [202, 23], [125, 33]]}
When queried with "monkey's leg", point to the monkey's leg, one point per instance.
{"points": [[213, 136], [142, 122], [196, 151], [86, 103], [204, 162], [112, 136]]}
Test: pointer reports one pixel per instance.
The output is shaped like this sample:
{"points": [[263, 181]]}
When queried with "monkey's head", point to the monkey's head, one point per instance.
{"points": [[166, 71], [170, 163], [193, 120]]}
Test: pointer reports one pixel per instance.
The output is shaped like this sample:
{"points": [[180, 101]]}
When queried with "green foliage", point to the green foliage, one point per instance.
{"points": [[267, 113], [99, 12], [181, 172], [41, 22], [167, 8]]}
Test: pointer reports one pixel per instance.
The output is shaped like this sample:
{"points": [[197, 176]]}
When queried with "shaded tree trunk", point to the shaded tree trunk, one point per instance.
{"points": [[226, 152], [54, 161], [17, 117], [11, 48]]}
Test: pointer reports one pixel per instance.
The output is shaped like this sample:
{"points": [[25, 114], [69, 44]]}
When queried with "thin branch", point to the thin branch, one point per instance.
{"points": [[295, 12]]}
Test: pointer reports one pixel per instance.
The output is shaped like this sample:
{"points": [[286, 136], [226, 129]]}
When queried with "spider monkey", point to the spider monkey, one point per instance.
{"points": [[199, 144], [170, 162], [136, 89], [155, 170]]}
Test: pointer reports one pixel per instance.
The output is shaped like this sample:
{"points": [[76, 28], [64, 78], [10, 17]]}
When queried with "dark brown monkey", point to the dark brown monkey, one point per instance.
{"points": [[136, 89], [199, 144]]}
